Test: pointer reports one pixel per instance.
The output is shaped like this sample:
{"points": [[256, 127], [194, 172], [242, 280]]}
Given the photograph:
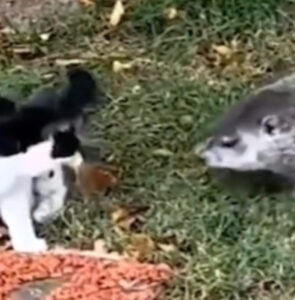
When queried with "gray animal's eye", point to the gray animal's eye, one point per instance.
{"points": [[270, 124], [229, 141]]}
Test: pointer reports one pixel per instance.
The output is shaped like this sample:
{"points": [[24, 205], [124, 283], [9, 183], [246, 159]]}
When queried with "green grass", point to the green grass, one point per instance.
{"points": [[228, 247]]}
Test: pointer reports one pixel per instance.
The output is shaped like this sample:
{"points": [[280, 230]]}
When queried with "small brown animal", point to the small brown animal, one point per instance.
{"points": [[92, 180]]}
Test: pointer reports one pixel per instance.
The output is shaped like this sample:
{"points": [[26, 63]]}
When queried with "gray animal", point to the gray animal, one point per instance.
{"points": [[258, 133]]}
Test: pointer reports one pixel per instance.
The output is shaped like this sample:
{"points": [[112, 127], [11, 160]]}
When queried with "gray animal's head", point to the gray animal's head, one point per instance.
{"points": [[257, 134]]}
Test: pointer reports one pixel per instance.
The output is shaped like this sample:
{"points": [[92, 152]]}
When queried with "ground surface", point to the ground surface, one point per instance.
{"points": [[183, 68]]}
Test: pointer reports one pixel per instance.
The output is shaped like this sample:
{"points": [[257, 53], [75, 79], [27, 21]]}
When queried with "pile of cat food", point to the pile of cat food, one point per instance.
{"points": [[82, 276]]}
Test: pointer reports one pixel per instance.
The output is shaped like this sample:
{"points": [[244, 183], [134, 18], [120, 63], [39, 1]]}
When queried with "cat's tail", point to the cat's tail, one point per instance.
{"points": [[80, 94], [68, 107]]}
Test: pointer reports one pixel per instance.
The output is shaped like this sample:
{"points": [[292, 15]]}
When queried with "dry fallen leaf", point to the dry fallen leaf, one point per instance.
{"points": [[48, 76], [87, 3], [141, 246], [171, 13], [117, 13], [45, 36], [136, 89], [23, 50], [8, 30], [100, 251], [92, 179], [222, 50], [69, 62], [167, 247], [124, 217], [230, 56], [223, 55], [163, 152], [118, 66]]}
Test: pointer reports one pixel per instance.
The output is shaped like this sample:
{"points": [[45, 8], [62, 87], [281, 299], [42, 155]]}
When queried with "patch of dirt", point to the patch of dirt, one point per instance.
{"points": [[20, 11]]}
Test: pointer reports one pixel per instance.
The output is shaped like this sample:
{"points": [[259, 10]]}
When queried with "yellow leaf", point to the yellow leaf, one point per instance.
{"points": [[136, 89], [223, 55], [48, 76], [167, 247], [22, 50], [118, 66], [123, 219], [69, 62], [171, 13], [100, 251], [163, 152], [140, 246], [45, 37], [117, 13], [222, 50], [87, 2], [119, 214], [8, 30]]}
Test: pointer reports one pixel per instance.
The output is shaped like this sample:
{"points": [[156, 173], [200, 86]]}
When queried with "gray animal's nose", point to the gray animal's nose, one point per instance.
{"points": [[209, 144], [202, 148]]}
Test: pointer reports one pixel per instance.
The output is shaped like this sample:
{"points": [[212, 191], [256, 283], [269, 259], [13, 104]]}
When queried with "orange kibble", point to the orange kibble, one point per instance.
{"points": [[87, 277]]}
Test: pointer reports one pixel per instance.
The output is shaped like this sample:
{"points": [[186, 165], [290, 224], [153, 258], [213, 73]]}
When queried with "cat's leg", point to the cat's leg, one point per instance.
{"points": [[51, 192], [15, 207]]}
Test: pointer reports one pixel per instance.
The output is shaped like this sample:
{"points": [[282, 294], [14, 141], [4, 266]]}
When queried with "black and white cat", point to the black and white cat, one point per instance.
{"points": [[36, 139], [16, 187]]}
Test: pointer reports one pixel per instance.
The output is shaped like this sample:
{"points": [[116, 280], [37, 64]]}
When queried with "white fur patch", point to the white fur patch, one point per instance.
{"points": [[15, 209], [245, 160], [51, 193]]}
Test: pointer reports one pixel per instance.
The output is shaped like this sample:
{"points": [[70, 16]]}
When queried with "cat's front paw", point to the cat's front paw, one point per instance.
{"points": [[32, 246], [44, 214]]}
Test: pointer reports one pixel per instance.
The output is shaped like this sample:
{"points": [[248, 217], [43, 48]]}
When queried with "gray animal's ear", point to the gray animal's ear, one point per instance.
{"points": [[272, 124]]}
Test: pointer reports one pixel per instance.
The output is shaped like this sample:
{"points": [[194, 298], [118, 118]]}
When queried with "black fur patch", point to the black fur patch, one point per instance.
{"points": [[7, 107], [65, 144], [80, 93], [26, 126], [51, 174], [8, 144]]}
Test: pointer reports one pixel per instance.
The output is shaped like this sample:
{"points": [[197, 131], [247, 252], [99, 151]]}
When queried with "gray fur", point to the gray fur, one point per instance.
{"points": [[258, 133]]}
